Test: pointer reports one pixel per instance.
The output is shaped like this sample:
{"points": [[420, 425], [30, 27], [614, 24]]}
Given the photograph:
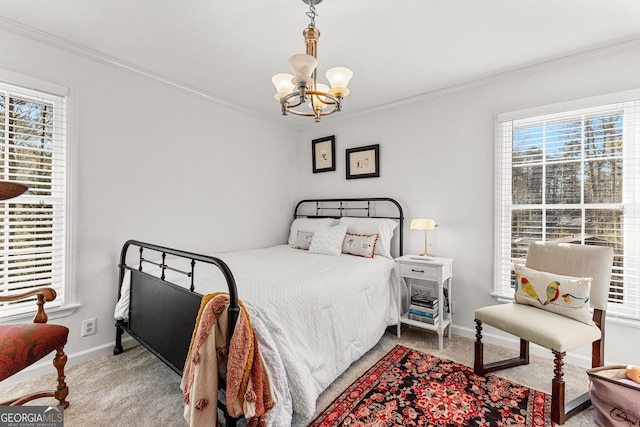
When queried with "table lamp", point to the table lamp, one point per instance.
{"points": [[425, 224]]}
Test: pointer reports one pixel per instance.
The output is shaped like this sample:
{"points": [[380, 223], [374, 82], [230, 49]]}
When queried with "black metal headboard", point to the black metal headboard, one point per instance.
{"points": [[371, 207]]}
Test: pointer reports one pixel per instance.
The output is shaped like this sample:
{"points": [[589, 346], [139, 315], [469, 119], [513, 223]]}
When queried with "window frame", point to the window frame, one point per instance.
{"points": [[629, 101], [21, 85]]}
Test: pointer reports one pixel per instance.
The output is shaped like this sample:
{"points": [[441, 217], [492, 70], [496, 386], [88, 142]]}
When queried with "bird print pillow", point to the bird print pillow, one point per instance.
{"points": [[565, 295]]}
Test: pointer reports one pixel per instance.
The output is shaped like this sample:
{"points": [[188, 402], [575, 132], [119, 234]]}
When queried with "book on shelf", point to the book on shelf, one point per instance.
{"points": [[422, 306], [426, 312], [423, 296], [423, 319], [424, 300]]}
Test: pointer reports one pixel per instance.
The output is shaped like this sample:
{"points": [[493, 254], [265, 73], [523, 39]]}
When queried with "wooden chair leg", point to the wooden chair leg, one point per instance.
{"points": [[597, 353], [62, 391], [561, 412], [557, 389], [478, 351], [479, 368]]}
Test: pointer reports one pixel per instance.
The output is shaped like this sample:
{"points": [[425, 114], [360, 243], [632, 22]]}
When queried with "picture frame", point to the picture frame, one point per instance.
{"points": [[323, 154], [363, 162]]}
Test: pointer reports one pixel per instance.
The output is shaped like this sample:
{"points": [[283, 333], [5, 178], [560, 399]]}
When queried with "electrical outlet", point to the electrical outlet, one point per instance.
{"points": [[453, 307], [89, 327]]}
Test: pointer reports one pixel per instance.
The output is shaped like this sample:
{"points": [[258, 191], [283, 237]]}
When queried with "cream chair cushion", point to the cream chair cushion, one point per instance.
{"points": [[540, 327]]}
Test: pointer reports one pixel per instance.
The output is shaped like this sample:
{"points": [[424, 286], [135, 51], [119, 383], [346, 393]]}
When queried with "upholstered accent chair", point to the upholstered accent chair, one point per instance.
{"points": [[24, 344], [548, 329]]}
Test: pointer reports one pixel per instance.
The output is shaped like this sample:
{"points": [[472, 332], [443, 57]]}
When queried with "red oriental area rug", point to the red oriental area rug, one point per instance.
{"points": [[410, 388]]}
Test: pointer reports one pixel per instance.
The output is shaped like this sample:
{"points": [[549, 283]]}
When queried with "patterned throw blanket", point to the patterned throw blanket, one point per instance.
{"points": [[248, 386]]}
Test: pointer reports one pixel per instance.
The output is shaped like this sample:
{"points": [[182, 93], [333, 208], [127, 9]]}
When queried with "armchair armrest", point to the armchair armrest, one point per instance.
{"points": [[43, 294]]}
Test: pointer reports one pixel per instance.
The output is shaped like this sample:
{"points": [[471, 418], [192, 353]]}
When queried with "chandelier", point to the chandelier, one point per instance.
{"points": [[294, 90]]}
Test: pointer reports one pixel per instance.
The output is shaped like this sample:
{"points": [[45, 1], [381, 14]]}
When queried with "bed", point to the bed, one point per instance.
{"points": [[313, 313]]}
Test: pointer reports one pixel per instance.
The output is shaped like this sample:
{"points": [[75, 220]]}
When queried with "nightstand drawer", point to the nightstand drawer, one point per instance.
{"points": [[426, 272]]}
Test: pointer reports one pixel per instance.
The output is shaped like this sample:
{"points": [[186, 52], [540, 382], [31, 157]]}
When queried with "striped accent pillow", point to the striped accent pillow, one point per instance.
{"points": [[328, 240]]}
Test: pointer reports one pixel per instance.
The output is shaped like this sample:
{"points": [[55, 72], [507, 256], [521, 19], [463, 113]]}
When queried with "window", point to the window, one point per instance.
{"points": [[33, 225], [571, 175]]}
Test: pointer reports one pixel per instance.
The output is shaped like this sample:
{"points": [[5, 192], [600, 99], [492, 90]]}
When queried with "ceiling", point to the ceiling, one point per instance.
{"points": [[228, 50]]}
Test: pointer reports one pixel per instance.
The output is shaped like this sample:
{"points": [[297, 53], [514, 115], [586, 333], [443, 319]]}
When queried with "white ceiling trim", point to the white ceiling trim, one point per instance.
{"points": [[521, 71], [527, 69], [87, 53]]}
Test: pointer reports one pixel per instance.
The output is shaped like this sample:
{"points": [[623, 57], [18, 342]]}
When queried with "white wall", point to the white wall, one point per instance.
{"points": [[158, 164], [155, 163], [436, 158]]}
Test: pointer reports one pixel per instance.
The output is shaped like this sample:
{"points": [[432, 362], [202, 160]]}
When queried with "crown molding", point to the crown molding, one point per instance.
{"points": [[94, 55], [603, 49], [506, 74]]}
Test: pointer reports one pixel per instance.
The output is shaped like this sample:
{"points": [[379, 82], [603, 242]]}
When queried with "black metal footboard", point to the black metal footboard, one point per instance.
{"points": [[162, 315]]}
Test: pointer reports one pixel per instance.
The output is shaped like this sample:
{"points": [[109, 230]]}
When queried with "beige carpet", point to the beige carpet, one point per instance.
{"points": [[137, 389]]}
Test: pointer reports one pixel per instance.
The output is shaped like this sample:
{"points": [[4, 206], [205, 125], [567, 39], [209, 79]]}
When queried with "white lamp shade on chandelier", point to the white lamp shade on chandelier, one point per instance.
{"points": [[319, 102], [284, 84], [294, 90], [339, 78], [303, 66]]}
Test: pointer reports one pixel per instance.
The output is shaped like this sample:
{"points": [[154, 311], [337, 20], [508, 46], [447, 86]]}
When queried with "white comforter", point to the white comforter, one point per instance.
{"points": [[320, 312]]}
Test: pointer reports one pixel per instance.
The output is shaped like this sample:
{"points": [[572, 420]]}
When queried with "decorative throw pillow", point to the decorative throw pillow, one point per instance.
{"points": [[362, 245], [307, 224], [565, 295], [383, 227], [303, 241], [327, 240]]}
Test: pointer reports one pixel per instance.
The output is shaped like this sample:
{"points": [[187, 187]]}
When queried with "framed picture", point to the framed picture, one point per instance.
{"points": [[323, 153], [363, 162]]}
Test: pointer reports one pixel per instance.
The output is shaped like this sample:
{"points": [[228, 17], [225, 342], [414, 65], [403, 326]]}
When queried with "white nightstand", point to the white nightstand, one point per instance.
{"points": [[430, 276]]}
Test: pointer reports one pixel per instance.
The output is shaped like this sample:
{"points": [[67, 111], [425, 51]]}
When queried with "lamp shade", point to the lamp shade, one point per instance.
{"points": [[422, 224], [339, 78], [283, 84], [302, 66]]}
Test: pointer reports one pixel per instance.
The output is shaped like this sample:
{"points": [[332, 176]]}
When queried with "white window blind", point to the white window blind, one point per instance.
{"points": [[33, 144], [571, 176]]}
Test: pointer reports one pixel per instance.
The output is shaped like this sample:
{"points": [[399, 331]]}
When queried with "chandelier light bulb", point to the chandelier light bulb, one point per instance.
{"points": [[339, 78], [283, 84]]}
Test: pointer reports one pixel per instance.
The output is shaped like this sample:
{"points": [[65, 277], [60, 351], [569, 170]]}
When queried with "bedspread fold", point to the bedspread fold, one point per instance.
{"points": [[248, 386]]}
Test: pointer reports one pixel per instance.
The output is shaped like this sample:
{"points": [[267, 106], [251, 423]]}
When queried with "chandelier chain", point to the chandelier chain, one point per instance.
{"points": [[312, 15]]}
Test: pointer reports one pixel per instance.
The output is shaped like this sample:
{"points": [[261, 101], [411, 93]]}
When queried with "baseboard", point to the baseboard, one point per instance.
{"points": [[511, 342], [45, 365]]}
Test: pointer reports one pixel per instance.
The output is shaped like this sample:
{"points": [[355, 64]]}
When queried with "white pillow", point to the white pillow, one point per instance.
{"points": [[565, 295], [328, 240], [307, 224], [383, 227]]}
